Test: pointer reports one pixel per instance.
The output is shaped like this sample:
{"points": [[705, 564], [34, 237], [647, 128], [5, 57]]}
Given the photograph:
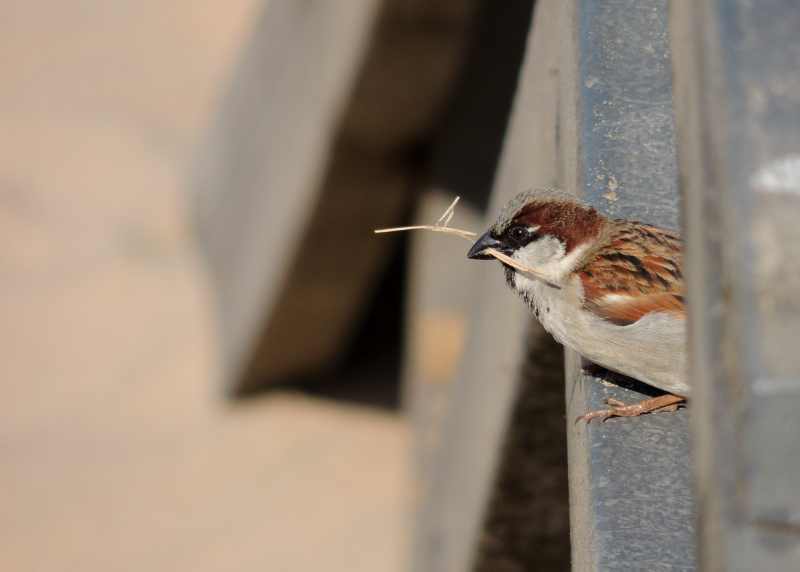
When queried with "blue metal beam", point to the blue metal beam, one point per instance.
{"points": [[630, 486]]}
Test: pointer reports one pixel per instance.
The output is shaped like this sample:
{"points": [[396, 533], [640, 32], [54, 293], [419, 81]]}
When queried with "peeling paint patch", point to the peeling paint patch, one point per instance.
{"points": [[612, 186]]}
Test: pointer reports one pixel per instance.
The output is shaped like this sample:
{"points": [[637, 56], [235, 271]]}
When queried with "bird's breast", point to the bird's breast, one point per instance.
{"points": [[651, 349]]}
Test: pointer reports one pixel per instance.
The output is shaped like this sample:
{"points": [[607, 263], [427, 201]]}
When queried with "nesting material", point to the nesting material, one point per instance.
{"points": [[441, 225]]}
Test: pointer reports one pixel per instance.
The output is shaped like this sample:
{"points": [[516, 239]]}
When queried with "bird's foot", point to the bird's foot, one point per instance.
{"points": [[616, 408]]}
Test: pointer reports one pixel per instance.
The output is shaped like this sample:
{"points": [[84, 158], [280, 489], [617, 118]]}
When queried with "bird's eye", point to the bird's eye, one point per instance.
{"points": [[519, 234]]}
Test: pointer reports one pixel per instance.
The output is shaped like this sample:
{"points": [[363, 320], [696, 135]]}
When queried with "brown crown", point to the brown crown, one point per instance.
{"points": [[570, 221]]}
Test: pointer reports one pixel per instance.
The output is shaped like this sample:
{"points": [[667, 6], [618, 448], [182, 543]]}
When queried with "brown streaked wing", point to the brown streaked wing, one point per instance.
{"points": [[637, 272]]}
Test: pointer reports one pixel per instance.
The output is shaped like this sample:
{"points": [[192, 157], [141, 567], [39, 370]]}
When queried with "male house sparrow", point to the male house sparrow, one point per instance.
{"points": [[610, 289]]}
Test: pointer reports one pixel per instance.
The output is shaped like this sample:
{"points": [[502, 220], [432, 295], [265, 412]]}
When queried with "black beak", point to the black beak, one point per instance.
{"points": [[484, 242]]}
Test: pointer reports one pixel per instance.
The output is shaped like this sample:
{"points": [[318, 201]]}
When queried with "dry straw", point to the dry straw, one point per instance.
{"points": [[441, 225]]}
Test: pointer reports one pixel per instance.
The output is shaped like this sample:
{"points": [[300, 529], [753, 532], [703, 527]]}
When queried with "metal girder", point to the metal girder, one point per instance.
{"points": [[630, 487]]}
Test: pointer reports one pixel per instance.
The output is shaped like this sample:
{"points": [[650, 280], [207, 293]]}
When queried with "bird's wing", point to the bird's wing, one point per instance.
{"points": [[637, 272]]}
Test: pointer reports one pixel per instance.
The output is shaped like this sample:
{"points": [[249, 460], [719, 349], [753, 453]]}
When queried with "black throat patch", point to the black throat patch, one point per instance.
{"points": [[509, 276]]}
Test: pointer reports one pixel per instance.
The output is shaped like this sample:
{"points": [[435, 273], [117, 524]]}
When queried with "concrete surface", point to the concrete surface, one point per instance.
{"points": [[305, 161], [469, 518], [117, 451]]}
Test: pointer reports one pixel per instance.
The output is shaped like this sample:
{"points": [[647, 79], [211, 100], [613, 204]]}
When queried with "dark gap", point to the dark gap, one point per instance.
{"points": [[527, 525], [624, 381], [473, 129], [370, 371]]}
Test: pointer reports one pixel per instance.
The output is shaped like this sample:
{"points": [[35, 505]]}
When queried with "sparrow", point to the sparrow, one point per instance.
{"points": [[610, 289]]}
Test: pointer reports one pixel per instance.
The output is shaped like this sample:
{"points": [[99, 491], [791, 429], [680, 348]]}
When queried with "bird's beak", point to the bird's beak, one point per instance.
{"points": [[485, 241]]}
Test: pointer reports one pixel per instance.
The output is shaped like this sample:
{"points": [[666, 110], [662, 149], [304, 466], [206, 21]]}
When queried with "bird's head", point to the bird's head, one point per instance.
{"points": [[546, 229]]}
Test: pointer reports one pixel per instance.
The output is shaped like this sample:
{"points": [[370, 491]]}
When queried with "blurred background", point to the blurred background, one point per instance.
{"points": [[210, 363]]}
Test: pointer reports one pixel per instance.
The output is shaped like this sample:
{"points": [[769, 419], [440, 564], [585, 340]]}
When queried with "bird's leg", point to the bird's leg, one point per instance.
{"points": [[666, 402]]}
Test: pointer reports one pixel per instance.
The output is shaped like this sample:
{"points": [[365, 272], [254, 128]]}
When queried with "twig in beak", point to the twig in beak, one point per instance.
{"points": [[441, 226]]}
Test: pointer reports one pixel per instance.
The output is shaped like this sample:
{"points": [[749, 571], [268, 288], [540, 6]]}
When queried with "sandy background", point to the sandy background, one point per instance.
{"points": [[118, 451]]}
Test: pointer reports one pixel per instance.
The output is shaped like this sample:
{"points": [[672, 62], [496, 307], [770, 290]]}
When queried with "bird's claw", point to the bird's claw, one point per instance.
{"points": [[619, 409]]}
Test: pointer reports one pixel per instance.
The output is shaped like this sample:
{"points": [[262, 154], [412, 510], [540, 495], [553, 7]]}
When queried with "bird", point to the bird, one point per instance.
{"points": [[610, 289]]}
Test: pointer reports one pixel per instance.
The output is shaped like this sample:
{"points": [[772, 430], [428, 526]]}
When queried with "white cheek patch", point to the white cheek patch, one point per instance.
{"points": [[548, 255], [538, 253]]}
